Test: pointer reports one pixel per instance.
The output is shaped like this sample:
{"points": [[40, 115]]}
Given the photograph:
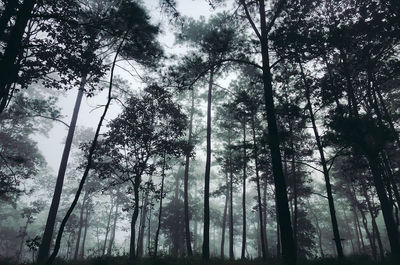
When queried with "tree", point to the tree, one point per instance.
{"points": [[147, 129], [216, 40], [288, 244]]}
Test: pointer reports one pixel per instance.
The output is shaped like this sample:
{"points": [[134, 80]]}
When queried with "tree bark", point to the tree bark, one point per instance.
{"points": [[260, 208], [231, 254], [224, 218], [78, 240], [112, 238], [206, 228], [160, 208], [82, 255], [142, 226], [186, 180], [132, 248], [373, 217], [243, 255], [265, 216], [108, 227], [51, 218], [21, 246], [286, 231]]}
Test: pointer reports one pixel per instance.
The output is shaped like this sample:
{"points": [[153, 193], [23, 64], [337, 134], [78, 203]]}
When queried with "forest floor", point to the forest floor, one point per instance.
{"points": [[123, 260]]}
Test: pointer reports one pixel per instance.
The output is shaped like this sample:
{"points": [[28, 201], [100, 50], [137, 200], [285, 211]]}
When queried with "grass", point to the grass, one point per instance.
{"points": [[196, 260]]}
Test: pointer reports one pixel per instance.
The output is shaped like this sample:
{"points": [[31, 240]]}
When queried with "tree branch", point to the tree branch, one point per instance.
{"points": [[279, 8], [250, 19]]}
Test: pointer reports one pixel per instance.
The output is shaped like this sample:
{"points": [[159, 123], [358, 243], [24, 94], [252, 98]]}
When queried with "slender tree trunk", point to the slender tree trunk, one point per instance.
{"points": [[335, 228], [160, 209], [149, 229], [369, 236], [243, 255], [265, 217], [295, 199], [108, 227], [112, 238], [392, 183], [186, 180], [359, 236], [373, 217], [319, 233], [206, 228], [78, 240], [82, 255], [224, 218], [142, 226], [260, 208], [231, 254], [354, 205], [51, 218], [286, 231], [132, 252], [8, 69], [347, 222], [21, 246]]}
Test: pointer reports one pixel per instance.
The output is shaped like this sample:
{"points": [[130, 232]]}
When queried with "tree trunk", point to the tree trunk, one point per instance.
{"points": [[108, 227], [243, 255], [160, 209], [206, 228], [260, 208], [265, 217], [8, 69], [82, 255], [373, 217], [21, 246], [295, 199], [387, 164], [112, 238], [286, 231], [231, 254], [335, 228], [391, 227], [132, 252], [186, 180], [224, 218], [142, 226], [51, 219], [78, 240], [149, 229]]}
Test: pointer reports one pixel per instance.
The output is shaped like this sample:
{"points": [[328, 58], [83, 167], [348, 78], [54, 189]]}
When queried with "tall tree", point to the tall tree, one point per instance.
{"points": [[286, 231]]}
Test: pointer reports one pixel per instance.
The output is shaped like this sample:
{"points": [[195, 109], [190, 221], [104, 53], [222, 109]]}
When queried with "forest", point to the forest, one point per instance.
{"points": [[199, 132]]}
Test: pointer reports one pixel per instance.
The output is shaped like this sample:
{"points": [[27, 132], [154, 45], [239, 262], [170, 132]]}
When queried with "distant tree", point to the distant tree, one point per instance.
{"points": [[20, 158]]}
